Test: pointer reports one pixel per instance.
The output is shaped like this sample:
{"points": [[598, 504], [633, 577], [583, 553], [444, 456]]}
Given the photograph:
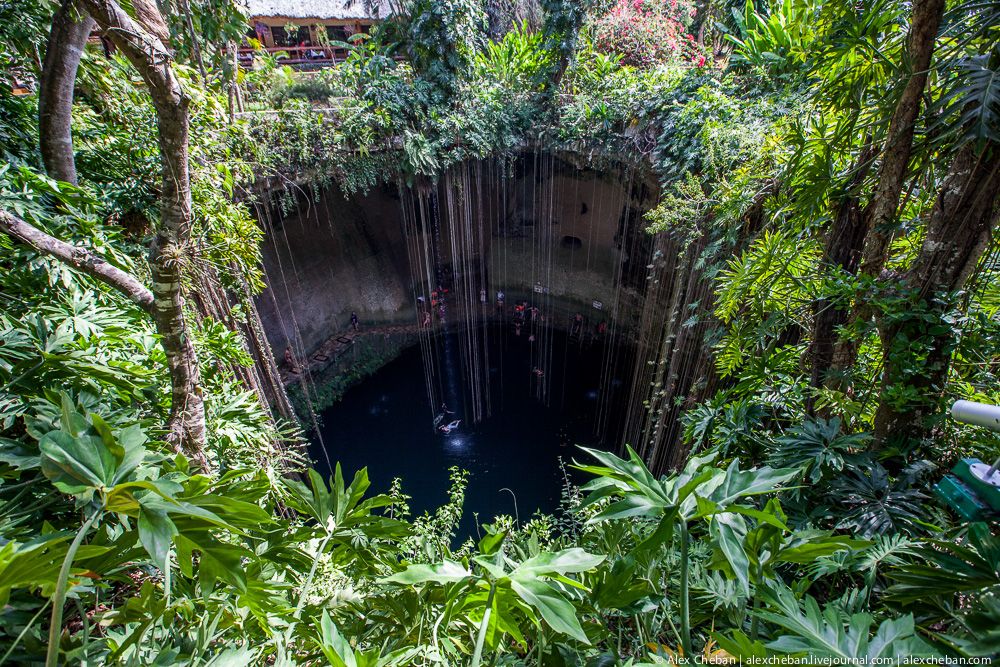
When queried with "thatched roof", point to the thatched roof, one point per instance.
{"points": [[318, 9]]}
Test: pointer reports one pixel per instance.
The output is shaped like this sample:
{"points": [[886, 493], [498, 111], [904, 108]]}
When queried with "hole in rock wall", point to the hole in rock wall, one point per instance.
{"points": [[504, 313]]}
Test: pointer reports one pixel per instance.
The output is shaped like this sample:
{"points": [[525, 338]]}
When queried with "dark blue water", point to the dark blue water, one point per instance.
{"points": [[385, 423]]}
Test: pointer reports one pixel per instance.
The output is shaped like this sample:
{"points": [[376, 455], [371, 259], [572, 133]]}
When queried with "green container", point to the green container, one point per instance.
{"points": [[971, 497], [987, 493], [957, 495]]}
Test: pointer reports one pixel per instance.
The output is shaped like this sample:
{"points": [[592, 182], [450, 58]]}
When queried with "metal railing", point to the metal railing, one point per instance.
{"points": [[295, 55]]}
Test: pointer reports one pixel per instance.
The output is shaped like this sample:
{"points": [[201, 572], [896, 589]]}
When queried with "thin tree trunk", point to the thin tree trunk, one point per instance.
{"points": [[170, 247], [67, 39], [880, 215], [958, 232], [232, 72], [195, 47]]}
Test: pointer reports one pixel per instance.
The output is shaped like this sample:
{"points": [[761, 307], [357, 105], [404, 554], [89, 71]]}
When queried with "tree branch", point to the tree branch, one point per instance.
{"points": [[881, 212], [80, 259]]}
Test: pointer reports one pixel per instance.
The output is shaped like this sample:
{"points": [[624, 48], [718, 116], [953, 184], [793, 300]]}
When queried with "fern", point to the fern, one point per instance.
{"points": [[776, 274], [730, 353], [971, 108]]}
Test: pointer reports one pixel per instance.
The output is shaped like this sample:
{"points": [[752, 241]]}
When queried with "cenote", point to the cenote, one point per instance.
{"points": [[513, 454], [520, 296]]}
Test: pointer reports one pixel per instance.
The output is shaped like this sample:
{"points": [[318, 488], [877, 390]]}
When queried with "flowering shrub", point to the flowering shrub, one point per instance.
{"points": [[647, 32]]}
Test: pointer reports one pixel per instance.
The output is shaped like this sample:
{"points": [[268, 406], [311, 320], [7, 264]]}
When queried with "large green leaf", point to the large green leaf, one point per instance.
{"points": [[446, 572], [828, 633], [30, 565], [84, 455], [728, 532], [76, 465], [557, 611], [156, 532], [561, 562], [742, 483], [336, 649], [218, 560]]}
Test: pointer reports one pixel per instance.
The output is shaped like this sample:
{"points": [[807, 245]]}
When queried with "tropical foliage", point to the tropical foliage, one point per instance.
{"points": [[806, 159]]}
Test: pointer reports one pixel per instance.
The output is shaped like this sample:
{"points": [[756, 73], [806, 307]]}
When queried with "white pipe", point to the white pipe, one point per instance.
{"points": [[977, 414], [987, 416]]}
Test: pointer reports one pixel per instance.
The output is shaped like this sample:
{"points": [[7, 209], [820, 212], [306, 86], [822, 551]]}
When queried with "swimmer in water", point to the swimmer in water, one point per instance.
{"points": [[448, 428]]}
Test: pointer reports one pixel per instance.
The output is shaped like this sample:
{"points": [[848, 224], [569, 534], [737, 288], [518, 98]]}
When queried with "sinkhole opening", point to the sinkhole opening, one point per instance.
{"points": [[512, 297]]}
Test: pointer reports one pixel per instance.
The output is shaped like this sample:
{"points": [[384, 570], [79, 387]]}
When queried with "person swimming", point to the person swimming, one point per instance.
{"points": [[449, 427]]}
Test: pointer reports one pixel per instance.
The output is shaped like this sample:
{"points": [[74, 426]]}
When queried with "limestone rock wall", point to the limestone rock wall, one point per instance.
{"points": [[327, 257], [544, 221]]}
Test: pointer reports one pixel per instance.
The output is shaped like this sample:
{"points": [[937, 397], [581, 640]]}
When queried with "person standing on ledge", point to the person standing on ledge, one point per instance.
{"points": [[293, 366], [354, 321]]}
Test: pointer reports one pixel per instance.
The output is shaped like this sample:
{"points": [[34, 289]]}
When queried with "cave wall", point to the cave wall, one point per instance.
{"points": [[327, 256], [543, 221], [542, 228], [595, 242]]}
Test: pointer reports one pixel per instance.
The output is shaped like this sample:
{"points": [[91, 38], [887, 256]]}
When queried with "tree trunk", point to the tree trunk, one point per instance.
{"points": [[917, 339], [170, 247], [881, 212], [67, 39], [166, 259], [149, 17], [195, 47], [880, 215]]}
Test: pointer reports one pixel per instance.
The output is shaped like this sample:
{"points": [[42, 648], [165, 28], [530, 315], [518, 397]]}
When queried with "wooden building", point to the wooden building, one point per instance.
{"points": [[304, 32]]}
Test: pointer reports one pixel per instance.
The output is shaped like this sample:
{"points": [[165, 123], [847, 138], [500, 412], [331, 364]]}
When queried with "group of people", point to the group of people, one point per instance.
{"points": [[576, 328], [443, 424], [525, 313], [439, 299]]}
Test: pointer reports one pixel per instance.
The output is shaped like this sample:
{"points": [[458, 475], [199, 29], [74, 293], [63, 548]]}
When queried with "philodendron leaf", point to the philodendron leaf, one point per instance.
{"points": [[555, 609], [237, 656], [76, 465], [728, 532], [446, 572], [829, 633], [156, 532], [79, 460], [560, 562], [741, 483], [335, 647]]}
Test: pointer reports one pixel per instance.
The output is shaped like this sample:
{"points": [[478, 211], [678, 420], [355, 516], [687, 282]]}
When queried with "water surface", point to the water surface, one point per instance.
{"points": [[385, 423]]}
